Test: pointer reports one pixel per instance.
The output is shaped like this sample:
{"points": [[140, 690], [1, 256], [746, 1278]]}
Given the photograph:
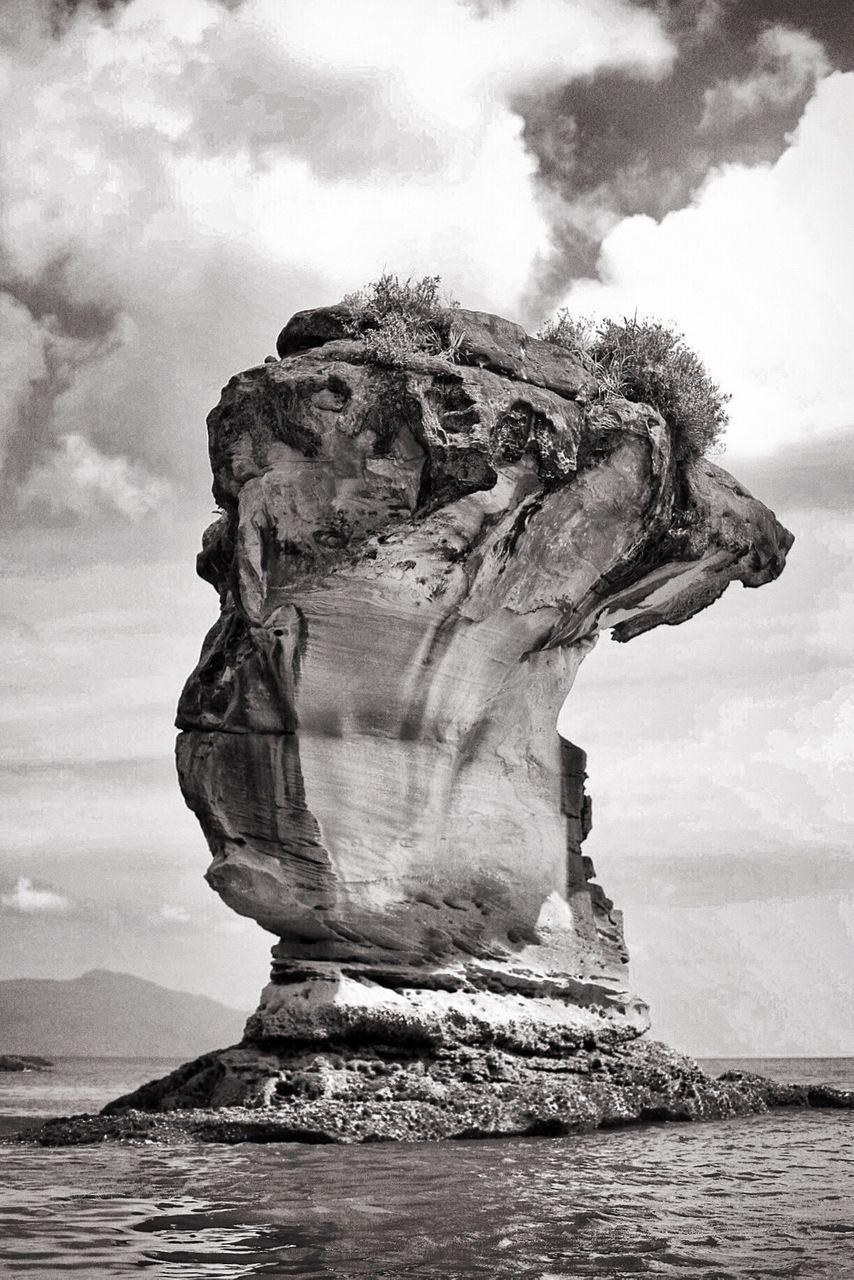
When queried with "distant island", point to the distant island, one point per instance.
{"points": [[107, 1015], [23, 1062]]}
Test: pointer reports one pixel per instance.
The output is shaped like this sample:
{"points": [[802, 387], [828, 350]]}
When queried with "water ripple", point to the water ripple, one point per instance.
{"points": [[766, 1197]]}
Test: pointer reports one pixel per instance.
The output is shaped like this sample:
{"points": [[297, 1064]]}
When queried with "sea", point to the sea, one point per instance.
{"points": [[761, 1197]]}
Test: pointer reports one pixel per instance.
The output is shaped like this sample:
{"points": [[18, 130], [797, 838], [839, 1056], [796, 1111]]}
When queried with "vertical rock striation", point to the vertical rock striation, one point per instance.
{"points": [[412, 562]]}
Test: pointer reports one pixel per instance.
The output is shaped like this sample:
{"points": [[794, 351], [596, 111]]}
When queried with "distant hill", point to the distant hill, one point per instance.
{"points": [[104, 1014]]}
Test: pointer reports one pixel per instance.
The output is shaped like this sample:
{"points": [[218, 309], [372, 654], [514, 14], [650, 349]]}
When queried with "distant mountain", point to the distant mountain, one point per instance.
{"points": [[104, 1014]]}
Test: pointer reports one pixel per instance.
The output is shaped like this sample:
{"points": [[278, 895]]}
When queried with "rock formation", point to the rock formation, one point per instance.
{"points": [[412, 562]]}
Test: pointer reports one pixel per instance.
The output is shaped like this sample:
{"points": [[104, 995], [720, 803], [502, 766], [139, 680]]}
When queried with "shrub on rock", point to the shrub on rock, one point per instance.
{"points": [[399, 318], [648, 362]]}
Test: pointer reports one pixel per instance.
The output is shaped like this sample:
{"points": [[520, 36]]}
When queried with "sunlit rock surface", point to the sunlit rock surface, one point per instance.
{"points": [[412, 563]]}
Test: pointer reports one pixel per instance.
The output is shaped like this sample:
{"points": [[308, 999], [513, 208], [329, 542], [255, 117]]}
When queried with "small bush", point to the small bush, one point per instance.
{"points": [[645, 361], [400, 318]]}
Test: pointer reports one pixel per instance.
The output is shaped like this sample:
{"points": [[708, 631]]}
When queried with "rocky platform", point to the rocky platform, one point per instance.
{"points": [[412, 561], [342, 1096]]}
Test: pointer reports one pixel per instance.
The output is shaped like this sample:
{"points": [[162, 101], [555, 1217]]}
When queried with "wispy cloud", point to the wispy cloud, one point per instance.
{"points": [[172, 915], [77, 477], [30, 897], [808, 474], [788, 65]]}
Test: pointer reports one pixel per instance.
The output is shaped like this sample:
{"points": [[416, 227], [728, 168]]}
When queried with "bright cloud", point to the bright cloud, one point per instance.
{"points": [[77, 477], [759, 274], [788, 65], [172, 915], [27, 898], [178, 178]]}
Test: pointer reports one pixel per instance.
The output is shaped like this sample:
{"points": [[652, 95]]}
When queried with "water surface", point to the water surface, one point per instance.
{"points": [[768, 1196]]}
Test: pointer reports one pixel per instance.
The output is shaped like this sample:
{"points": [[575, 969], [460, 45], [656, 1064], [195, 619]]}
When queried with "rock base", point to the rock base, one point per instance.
{"points": [[341, 1095]]}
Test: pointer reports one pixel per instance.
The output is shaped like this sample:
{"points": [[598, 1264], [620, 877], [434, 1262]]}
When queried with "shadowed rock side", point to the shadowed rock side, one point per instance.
{"points": [[412, 563]]}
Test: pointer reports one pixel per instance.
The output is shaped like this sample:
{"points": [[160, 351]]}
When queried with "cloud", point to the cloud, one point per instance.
{"points": [[748, 979], [180, 177], [722, 878], [91, 650], [172, 915], [807, 475], [22, 363], [29, 897], [756, 763], [788, 65], [616, 145], [700, 17], [77, 477], [183, 174], [377, 87], [17, 634], [46, 346], [720, 768], [759, 274]]}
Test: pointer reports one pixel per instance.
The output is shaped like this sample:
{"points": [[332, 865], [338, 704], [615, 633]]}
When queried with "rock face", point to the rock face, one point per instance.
{"points": [[412, 562]]}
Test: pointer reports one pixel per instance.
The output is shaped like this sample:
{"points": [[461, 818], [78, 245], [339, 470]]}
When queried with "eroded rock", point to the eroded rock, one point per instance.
{"points": [[412, 563], [248, 1095]]}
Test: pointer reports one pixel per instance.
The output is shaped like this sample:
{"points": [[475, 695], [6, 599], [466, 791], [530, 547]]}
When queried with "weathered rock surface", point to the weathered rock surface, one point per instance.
{"points": [[384, 1094], [412, 563]]}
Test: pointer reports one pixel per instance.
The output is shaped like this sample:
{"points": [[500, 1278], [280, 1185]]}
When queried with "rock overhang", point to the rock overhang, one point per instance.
{"points": [[438, 432], [412, 562]]}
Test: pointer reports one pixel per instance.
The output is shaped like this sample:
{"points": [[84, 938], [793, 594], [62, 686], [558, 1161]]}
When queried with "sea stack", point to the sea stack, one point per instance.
{"points": [[412, 561]]}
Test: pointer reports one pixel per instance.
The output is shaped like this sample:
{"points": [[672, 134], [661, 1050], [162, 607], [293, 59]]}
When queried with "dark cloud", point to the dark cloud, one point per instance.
{"points": [[831, 21], [617, 145], [49, 296], [72, 334], [60, 13]]}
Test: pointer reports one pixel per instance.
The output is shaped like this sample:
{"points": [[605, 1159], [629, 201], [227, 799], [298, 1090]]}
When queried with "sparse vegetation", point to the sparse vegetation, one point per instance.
{"points": [[399, 318], [646, 361], [641, 360]]}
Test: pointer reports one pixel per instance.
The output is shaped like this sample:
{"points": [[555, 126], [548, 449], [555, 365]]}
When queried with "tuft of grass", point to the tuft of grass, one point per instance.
{"points": [[399, 318], [648, 362]]}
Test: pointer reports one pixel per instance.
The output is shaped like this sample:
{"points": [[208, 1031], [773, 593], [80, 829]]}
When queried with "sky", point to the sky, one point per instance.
{"points": [[177, 177]]}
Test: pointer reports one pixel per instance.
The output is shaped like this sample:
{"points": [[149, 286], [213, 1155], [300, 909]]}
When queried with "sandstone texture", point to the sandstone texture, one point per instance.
{"points": [[412, 562]]}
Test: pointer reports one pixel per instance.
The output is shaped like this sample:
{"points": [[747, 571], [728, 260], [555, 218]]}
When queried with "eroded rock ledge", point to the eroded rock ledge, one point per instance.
{"points": [[343, 1096], [412, 563]]}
